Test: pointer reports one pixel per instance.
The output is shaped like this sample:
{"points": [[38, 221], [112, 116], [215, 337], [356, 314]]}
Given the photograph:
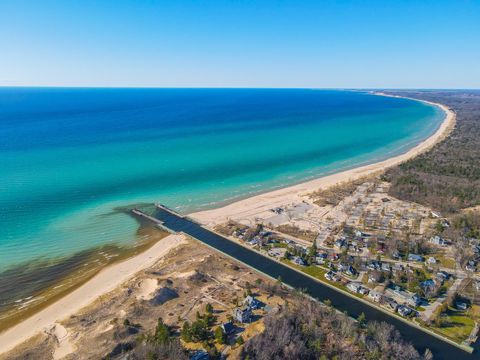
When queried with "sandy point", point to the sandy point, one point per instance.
{"points": [[107, 280]]}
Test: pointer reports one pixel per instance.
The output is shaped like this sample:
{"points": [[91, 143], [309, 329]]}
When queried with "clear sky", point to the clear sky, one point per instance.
{"points": [[202, 43]]}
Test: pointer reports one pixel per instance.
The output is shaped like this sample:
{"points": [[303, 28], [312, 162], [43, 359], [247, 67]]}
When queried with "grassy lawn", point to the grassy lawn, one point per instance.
{"points": [[456, 325], [314, 271], [446, 261]]}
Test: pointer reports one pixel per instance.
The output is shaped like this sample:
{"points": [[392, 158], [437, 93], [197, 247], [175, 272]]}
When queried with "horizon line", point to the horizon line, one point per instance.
{"points": [[233, 87]]}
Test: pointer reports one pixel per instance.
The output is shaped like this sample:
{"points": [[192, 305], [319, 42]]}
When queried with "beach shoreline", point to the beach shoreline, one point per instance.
{"points": [[114, 275], [107, 280], [276, 198]]}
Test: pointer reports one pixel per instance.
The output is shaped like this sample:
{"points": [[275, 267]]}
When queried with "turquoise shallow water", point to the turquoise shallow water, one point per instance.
{"points": [[68, 157]]}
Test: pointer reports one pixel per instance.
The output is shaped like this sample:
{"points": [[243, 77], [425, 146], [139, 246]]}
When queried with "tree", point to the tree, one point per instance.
{"points": [[312, 250], [362, 321], [240, 340], [220, 335], [209, 308], [185, 332], [162, 332], [199, 331]]}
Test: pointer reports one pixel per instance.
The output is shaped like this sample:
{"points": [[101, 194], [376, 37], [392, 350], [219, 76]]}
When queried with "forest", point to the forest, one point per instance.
{"points": [[446, 178]]}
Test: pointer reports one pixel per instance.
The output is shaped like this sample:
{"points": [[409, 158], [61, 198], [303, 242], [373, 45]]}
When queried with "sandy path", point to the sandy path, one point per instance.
{"points": [[105, 281], [263, 202]]}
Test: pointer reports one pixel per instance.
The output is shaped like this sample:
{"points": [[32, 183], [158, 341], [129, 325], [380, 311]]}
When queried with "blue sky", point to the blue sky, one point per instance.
{"points": [[181, 43]]}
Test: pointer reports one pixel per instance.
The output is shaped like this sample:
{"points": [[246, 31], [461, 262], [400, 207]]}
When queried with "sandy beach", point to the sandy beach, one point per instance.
{"points": [[105, 281], [113, 276], [249, 207]]}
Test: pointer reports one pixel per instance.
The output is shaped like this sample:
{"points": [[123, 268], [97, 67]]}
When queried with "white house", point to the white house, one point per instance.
{"points": [[354, 287], [375, 296]]}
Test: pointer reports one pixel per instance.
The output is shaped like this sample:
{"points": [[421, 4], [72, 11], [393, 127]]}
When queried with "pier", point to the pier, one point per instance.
{"points": [[421, 338]]}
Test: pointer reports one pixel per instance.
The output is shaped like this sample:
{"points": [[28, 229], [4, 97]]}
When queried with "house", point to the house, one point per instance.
{"points": [[403, 296], [415, 257], [461, 305], [329, 275], [398, 267], [414, 300], [228, 327], [354, 287], [427, 284], [252, 303], [477, 285], [242, 315], [374, 277], [321, 258], [299, 261], [386, 267], [340, 244], [200, 355], [431, 260], [351, 271], [337, 277], [374, 265], [359, 233], [363, 290], [404, 310], [342, 267], [471, 266], [441, 276], [392, 304], [375, 296], [437, 240]]}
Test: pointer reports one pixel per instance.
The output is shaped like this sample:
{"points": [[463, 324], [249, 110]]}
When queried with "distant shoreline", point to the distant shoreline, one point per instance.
{"points": [[275, 198]]}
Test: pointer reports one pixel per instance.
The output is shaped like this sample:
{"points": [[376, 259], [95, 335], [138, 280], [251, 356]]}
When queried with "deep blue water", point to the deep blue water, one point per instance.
{"points": [[68, 157]]}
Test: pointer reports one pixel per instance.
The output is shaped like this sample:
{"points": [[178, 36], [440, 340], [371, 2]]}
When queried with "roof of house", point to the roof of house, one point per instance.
{"points": [[228, 327]]}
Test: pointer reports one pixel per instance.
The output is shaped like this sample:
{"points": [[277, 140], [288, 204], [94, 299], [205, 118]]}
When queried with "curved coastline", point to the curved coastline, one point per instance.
{"points": [[289, 194], [114, 275]]}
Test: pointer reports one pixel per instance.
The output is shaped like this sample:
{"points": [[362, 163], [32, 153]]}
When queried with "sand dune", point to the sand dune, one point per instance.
{"points": [[105, 281]]}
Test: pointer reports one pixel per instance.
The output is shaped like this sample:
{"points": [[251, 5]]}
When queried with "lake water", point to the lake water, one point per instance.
{"points": [[69, 157]]}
